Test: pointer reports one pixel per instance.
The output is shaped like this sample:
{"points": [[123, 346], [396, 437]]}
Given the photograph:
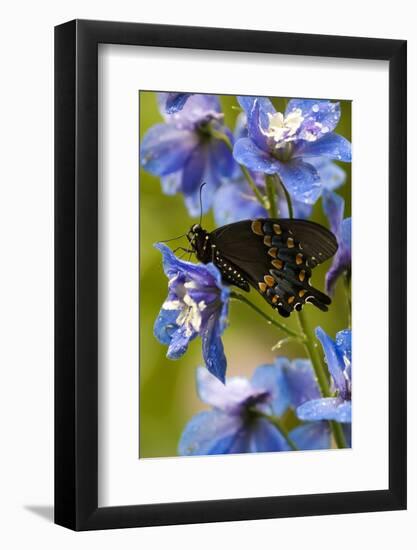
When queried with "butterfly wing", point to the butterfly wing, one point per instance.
{"points": [[276, 257]]}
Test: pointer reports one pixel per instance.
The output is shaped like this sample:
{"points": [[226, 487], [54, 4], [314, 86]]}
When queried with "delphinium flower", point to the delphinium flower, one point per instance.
{"points": [[197, 305], [338, 354], [333, 206], [296, 145], [235, 424], [175, 101], [235, 200], [184, 153], [238, 420]]}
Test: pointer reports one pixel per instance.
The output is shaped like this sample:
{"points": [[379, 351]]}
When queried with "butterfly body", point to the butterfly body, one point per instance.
{"points": [[274, 256]]}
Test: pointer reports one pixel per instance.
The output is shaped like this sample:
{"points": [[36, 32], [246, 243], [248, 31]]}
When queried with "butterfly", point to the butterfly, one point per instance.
{"points": [[274, 256]]}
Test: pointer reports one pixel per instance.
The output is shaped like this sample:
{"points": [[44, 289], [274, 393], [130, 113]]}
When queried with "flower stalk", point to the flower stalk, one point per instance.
{"points": [[294, 335], [272, 196], [312, 349], [286, 194]]}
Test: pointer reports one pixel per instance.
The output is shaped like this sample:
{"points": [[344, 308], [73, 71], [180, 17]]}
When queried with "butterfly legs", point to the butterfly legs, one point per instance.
{"points": [[184, 251]]}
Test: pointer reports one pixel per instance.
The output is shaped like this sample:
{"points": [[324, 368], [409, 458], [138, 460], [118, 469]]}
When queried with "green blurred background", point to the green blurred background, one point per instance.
{"points": [[167, 388]]}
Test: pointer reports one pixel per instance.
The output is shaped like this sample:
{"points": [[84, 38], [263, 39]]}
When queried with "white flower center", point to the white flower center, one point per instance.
{"points": [[283, 130], [189, 311]]}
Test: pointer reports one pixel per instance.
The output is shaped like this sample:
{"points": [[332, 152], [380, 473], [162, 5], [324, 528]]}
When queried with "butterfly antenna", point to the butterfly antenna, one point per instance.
{"points": [[173, 239], [201, 202]]}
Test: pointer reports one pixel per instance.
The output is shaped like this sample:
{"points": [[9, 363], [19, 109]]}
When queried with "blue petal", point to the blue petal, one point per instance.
{"points": [[327, 113], [198, 108], [192, 175], [175, 102], [241, 442], [241, 127], [254, 158], [342, 260], [332, 146], [171, 183], [266, 438], [212, 183], [334, 361], [165, 148], [209, 432], [312, 436], [221, 157], [299, 380], [171, 264], [179, 343], [344, 344], [344, 347], [331, 175], [301, 180], [213, 351], [165, 325], [346, 235], [234, 201], [327, 408], [202, 103], [203, 274], [301, 210], [265, 106], [271, 378], [333, 206], [229, 397], [255, 128], [347, 431]]}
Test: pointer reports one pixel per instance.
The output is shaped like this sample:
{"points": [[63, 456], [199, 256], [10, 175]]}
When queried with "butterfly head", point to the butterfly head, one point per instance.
{"points": [[194, 233], [198, 239]]}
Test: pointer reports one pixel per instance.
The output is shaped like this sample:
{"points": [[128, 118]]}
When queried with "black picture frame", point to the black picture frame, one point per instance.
{"points": [[76, 272]]}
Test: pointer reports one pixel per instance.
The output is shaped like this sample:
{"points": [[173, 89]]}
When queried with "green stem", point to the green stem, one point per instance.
{"points": [[223, 137], [313, 352], [275, 421], [237, 296], [272, 198], [258, 194], [321, 374], [287, 196]]}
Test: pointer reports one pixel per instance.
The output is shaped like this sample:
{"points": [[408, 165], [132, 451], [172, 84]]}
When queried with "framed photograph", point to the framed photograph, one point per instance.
{"points": [[230, 238]]}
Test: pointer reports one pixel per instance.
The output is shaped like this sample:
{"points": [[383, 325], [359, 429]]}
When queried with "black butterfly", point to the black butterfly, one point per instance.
{"points": [[274, 256]]}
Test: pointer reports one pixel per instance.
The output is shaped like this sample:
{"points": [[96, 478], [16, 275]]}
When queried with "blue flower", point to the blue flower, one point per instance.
{"points": [[233, 425], [183, 153], [338, 355], [197, 304], [237, 422], [175, 102], [235, 200], [333, 206], [297, 145]]}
